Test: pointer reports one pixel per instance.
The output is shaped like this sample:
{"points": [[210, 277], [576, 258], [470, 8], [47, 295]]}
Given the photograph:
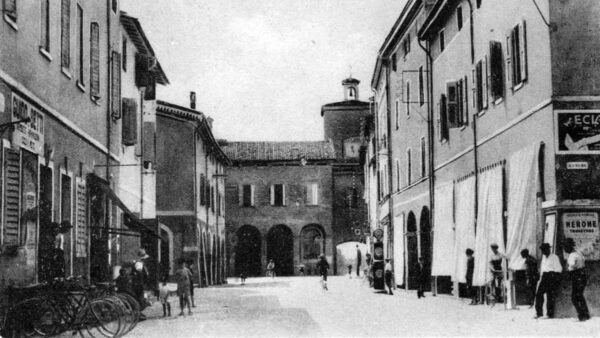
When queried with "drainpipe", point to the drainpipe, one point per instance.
{"points": [[471, 30], [389, 157], [430, 139], [108, 127], [475, 159]]}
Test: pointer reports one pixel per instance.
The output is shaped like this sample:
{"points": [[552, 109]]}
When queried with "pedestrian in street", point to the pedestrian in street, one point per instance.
{"points": [[388, 276], [549, 283], [578, 276], [358, 260], [137, 287], [183, 277], [163, 295], [368, 270], [123, 282], [271, 269], [322, 268], [469, 276], [531, 275], [243, 276], [421, 277], [350, 271], [190, 266], [497, 272]]}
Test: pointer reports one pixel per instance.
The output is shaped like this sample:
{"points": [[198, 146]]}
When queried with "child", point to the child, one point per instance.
{"points": [[123, 282], [184, 277], [163, 296], [243, 277]]}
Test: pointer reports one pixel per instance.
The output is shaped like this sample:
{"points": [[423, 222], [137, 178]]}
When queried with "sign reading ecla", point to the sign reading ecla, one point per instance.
{"points": [[28, 135]]}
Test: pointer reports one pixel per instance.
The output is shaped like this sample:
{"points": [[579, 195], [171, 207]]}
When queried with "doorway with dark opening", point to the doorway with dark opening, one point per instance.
{"points": [[280, 248]]}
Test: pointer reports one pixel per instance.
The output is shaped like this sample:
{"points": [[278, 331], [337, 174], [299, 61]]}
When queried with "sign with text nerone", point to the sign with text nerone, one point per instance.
{"points": [[582, 227]]}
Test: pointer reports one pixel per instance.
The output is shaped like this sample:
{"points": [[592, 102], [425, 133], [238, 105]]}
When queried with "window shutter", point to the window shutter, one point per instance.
{"points": [[10, 9], [252, 195], [116, 86], [484, 82], [465, 102], [452, 104], [444, 133], [459, 103], [315, 193], [523, 50], [474, 86], [202, 189], [81, 230], [95, 60], [12, 190], [496, 78], [508, 61], [272, 194], [129, 123], [65, 34], [149, 135], [308, 194], [283, 199]]}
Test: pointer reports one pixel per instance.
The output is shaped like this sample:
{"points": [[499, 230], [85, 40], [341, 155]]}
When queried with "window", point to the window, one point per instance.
{"points": [[478, 3], [421, 87], [394, 62], [202, 189], [114, 6], [129, 123], [459, 17], [443, 119], [247, 195], [95, 60], [351, 198], [456, 103], [480, 84], [124, 54], [81, 231], [516, 58], [398, 174], [45, 26], [406, 45], [407, 98], [496, 79], [65, 198], [408, 167], [65, 34], [312, 194], [80, 78], [423, 157], [442, 41], [278, 195], [397, 114], [10, 9]]}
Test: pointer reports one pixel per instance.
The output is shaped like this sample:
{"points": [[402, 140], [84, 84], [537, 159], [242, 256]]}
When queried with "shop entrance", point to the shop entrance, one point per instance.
{"points": [[280, 248], [312, 244], [426, 249], [247, 251], [47, 232], [412, 252]]}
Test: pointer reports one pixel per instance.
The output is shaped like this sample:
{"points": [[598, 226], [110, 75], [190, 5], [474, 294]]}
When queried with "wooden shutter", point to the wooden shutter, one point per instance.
{"points": [[81, 231], [452, 104], [10, 9], [129, 123], [95, 60], [466, 102], [309, 194], [523, 50], [315, 194], [272, 194], [202, 188], [12, 190], [115, 89], [474, 86], [459, 103], [496, 78], [247, 195], [484, 82], [443, 118], [65, 34], [149, 135], [508, 61]]}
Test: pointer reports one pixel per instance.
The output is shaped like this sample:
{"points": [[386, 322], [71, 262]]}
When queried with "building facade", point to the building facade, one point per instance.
{"points": [[190, 192], [279, 206]]}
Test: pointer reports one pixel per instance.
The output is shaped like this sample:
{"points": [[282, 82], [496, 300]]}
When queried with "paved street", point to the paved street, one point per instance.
{"points": [[298, 307]]}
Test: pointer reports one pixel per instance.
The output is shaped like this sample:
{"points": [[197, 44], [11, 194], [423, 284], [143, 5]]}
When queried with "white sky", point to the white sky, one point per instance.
{"points": [[263, 69]]}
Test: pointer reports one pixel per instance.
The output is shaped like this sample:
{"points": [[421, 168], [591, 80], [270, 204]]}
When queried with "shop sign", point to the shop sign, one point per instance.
{"points": [[582, 227], [578, 131], [577, 165], [28, 135]]}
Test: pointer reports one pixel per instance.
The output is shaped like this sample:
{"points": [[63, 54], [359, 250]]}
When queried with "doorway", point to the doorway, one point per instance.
{"points": [[412, 252], [247, 251], [280, 248]]}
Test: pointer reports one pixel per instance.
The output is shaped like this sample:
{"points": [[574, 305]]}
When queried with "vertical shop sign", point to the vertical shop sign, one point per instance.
{"points": [[29, 135]]}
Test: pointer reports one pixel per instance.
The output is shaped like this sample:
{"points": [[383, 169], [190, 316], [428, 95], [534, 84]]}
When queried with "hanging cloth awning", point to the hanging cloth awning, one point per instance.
{"points": [[465, 226], [129, 219], [443, 231]]}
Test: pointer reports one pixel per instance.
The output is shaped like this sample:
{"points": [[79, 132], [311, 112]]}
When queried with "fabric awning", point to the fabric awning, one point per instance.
{"points": [[130, 220], [443, 231], [465, 226]]}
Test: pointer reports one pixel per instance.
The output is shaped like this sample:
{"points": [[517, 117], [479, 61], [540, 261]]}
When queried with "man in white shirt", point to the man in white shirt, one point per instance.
{"points": [[550, 281], [388, 275], [576, 268]]}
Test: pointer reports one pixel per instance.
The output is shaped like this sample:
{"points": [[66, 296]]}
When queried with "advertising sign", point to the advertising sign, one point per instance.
{"points": [[27, 135], [578, 131], [582, 227]]}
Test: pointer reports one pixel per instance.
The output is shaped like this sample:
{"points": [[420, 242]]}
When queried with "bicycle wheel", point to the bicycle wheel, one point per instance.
{"points": [[127, 316], [33, 316], [132, 307], [100, 318]]}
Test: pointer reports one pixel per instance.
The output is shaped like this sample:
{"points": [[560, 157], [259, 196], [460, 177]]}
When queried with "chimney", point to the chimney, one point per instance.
{"points": [[210, 121], [193, 100]]}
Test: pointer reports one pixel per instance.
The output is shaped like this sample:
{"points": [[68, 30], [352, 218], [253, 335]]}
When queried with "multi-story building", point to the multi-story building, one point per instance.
{"points": [[190, 192], [400, 81], [279, 206]]}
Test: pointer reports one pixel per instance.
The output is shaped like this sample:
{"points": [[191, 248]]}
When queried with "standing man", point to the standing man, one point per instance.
{"points": [[469, 276], [388, 275], [358, 260], [550, 280], [323, 267], [531, 275], [421, 278], [497, 272], [578, 275]]}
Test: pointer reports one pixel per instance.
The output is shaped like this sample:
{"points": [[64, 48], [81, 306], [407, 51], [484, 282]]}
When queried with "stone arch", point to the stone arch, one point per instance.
{"points": [[248, 251], [412, 249], [311, 244], [167, 268], [280, 248]]}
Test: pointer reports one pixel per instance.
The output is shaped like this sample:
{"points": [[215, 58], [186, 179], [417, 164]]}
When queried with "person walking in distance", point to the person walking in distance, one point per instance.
{"points": [[531, 275], [184, 277], [469, 276], [388, 276], [190, 266], [421, 277], [271, 269], [550, 280], [578, 276], [322, 268], [358, 260]]}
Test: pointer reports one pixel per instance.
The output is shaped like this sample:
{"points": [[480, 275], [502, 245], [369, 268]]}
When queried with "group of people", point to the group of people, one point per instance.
{"points": [[539, 284]]}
